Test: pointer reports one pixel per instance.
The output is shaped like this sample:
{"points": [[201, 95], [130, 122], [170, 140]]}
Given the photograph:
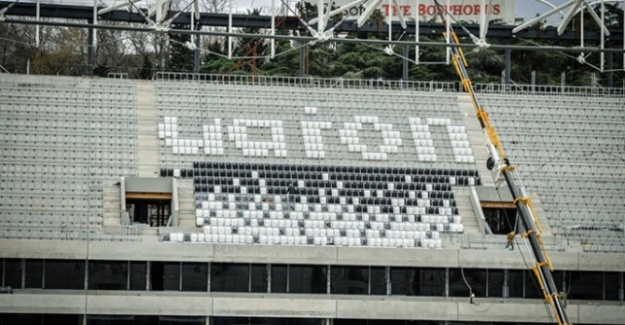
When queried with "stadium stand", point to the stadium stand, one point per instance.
{"points": [[309, 203], [570, 152], [61, 139]]}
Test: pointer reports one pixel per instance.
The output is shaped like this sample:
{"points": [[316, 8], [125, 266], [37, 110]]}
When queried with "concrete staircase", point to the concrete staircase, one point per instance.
{"points": [[111, 204], [186, 212], [477, 138], [465, 209], [147, 131]]}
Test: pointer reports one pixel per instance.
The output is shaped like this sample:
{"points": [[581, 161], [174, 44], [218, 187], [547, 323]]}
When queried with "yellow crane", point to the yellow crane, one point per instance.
{"points": [[502, 170]]}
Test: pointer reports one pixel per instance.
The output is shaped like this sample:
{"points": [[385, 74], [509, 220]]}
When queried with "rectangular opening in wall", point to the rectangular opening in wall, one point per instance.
{"points": [[194, 276], [171, 276], [308, 279], [148, 201], [13, 273], [138, 276], [377, 277], [151, 212], [352, 280], [108, 275], [279, 278], [65, 274], [34, 274], [501, 220], [226, 277], [497, 208], [258, 277]]}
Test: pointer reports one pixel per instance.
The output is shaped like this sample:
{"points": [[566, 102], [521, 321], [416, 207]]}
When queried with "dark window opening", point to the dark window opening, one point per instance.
{"points": [[464, 281], [308, 279], [108, 275], [138, 274], [500, 220], [259, 278], [157, 271], [230, 277], [154, 213], [171, 276], [378, 281], [34, 274], [13, 273], [585, 285], [279, 278], [194, 276], [353, 280], [65, 274]]}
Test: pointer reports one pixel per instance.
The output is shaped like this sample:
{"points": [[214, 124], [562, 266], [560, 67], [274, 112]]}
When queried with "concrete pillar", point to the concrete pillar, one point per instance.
{"points": [[23, 273], [208, 280], [446, 282], [621, 291], [505, 289], [148, 274], [328, 280], [387, 277], [268, 278]]}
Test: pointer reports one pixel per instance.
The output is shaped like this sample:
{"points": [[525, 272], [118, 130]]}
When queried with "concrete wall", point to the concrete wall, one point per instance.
{"points": [[315, 306], [188, 252], [148, 185]]}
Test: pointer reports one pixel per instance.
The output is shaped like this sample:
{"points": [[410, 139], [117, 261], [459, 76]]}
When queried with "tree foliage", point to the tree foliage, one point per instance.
{"points": [[63, 51]]}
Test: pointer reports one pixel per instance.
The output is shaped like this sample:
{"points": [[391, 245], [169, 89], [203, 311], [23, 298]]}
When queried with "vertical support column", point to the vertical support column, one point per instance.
{"points": [[148, 274], [621, 290], [268, 278], [197, 53], [387, 278], [208, 280], [288, 278], [128, 275], [180, 278], [405, 64], [507, 65], [610, 73], [302, 60], [89, 69], [505, 289], [23, 273], [446, 282], [329, 280], [249, 277], [369, 281]]}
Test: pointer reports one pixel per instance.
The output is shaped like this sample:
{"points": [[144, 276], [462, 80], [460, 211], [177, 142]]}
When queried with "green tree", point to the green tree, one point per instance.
{"points": [[180, 57]]}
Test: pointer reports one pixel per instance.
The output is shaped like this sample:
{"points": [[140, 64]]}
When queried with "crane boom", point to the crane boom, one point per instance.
{"points": [[502, 171]]}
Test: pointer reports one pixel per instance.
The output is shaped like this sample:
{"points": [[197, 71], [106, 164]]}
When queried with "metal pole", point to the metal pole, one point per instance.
{"points": [[405, 64], [197, 54], [507, 65], [89, 70], [302, 60], [610, 76]]}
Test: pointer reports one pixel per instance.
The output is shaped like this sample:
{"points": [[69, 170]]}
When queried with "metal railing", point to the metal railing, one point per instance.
{"points": [[333, 83], [518, 89]]}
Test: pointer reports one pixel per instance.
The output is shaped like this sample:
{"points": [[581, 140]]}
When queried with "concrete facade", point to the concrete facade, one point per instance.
{"points": [[310, 306], [328, 255]]}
